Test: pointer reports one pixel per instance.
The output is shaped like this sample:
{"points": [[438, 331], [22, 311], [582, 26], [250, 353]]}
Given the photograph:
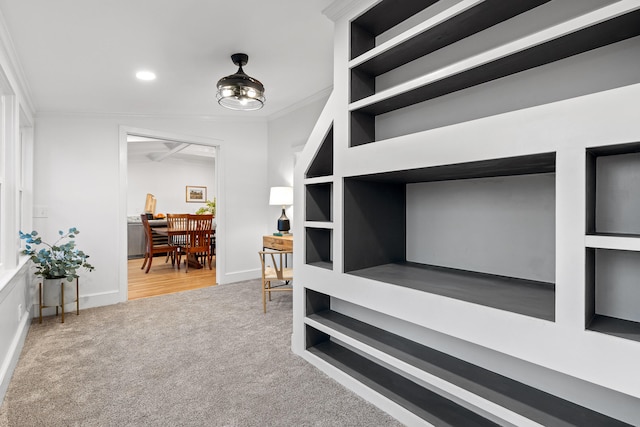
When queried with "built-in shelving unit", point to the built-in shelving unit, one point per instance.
{"points": [[602, 27], [613, 240], [477, 269], [319, 205]]}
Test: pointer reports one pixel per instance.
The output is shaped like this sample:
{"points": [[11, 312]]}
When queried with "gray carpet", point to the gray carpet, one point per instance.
{"points": [[208, 357]]}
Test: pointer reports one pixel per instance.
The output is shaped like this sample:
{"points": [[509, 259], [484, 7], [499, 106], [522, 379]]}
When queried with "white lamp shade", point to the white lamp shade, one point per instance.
{"points": [[281, 196]]}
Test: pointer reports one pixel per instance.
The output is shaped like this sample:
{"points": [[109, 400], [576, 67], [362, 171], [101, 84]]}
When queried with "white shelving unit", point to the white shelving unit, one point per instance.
{"points": [[477, 273]]}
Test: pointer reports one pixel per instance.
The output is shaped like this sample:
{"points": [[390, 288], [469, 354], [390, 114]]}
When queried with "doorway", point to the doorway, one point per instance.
{"points": [[166, 166]]}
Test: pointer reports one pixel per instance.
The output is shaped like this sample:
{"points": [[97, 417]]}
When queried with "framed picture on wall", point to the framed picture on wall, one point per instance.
{"points": [[196, 194]]}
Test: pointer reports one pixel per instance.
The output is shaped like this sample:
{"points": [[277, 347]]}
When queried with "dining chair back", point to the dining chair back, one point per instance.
{"points": [[152, 246], [276, 272], [177, 225], [198, 241]]}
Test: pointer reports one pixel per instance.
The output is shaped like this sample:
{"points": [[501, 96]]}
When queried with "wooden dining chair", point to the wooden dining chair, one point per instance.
{"points": [[198, 241], [152, 248], [276, 272], [177, 227]]}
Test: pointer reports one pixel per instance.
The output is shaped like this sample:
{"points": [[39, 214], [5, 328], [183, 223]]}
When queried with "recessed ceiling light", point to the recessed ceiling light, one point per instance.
{"points": [[146, 75]]}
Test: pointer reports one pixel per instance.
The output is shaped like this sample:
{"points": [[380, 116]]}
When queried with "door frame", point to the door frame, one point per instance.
{"points": [[123, 133]]}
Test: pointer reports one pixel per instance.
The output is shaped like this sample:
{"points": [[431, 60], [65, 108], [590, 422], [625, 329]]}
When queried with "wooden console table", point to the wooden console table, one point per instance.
{"points": [[278, 243]]}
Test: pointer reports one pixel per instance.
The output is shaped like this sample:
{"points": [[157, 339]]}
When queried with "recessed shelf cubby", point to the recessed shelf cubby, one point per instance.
{"points": [[318, 247], [613, 292], [554, 44], [322, 163], [318, 202], [613, 190], [459, 231]]}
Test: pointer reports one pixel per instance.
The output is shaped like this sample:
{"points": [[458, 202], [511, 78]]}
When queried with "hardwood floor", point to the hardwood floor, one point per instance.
{"points": [[165, 279]]}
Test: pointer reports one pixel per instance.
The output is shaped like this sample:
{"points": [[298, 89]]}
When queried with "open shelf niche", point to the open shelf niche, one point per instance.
{"points": [[318, 245], [341, 341], [603, 27], [322, 163], [319, 206], [406, 228], [318, 202], [613, 240]]}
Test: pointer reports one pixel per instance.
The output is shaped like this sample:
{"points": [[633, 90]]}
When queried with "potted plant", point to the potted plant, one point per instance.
{"points": [[57, 261], [210, 208]]}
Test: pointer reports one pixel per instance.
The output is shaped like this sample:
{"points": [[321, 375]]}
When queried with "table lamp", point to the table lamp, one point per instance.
{"points": [[282, 196]]}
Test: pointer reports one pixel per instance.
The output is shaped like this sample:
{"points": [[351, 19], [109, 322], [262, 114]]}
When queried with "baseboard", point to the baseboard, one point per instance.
{"points": [[239, 276], [98, 299], [10, 362]]}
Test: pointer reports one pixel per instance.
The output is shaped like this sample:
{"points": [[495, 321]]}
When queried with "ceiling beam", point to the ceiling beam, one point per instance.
{"points": [[158, 157]]}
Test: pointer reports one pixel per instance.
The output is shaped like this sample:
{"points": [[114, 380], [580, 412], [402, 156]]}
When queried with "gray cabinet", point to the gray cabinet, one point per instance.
{"points": [[135, 240]]}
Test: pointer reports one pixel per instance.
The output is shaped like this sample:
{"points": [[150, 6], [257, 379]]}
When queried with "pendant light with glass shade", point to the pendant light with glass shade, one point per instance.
{"points": [[239, 91]]}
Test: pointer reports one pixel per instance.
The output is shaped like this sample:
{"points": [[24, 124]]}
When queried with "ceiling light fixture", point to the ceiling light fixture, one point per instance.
{"points": [[239, 91], [146, 75]]}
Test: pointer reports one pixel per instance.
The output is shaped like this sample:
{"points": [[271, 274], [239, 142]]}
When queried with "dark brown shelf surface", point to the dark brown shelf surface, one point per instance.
{"points": [[527, 297], [616, 327]]}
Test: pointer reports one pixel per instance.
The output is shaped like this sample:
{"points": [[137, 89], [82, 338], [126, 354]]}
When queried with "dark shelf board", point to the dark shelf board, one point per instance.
{"points": [[520, 398], [458, 27], [507, 166], [614, 234], [527, 297], [380, 18], [617, 327], [327, 265], [608, 32], [613, 150], [387, 14], [419, 400]]}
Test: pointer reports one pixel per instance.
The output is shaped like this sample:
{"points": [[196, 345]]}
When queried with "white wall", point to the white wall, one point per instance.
{"points": [[288, 133], [499, 225], [78, 161], [167, 180]]}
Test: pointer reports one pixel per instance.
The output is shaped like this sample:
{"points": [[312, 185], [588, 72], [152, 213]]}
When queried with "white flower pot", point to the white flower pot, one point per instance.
{"points": [[52, 295]]}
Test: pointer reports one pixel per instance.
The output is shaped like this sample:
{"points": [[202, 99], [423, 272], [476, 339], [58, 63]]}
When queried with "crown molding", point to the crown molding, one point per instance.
{"points": [[112, 115], [341, 8]]}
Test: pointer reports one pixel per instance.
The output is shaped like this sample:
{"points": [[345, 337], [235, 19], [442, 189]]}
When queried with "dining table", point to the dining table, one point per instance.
{"points": [[176, 232]]}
